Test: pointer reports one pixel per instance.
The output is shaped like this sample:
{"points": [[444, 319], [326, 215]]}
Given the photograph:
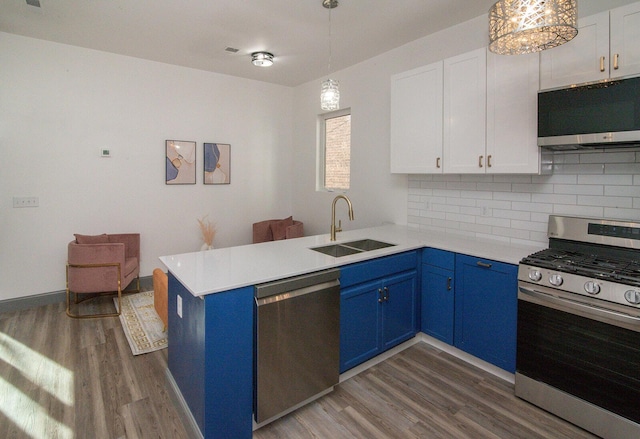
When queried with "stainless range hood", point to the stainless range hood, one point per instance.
{"points": [[602, 115]]}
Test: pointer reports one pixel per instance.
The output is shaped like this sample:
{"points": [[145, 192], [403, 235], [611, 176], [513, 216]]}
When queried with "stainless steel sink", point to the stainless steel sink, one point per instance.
{"points": [[337, 250], [351, 248], [368, 244]]}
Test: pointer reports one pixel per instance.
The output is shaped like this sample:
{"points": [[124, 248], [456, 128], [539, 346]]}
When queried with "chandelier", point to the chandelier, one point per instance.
{"points": [[330, 92], [517, 27]]}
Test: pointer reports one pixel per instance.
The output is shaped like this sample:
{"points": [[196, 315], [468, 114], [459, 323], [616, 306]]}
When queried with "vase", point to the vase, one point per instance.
{"points": [[205, 247]]}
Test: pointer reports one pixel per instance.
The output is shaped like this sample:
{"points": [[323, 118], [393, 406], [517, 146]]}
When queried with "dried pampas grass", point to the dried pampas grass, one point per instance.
{"points": [[208, 230]]}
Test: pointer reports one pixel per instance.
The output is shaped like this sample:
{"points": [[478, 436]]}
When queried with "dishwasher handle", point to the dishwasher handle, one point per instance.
{"points": [[329, 286]]}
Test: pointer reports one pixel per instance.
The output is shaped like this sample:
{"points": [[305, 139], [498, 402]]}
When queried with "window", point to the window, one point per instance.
{"points": [[334, 170]]}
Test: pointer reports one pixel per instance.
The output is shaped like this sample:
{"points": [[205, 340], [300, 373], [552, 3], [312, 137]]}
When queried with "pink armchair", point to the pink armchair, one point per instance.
{"points": [[275, 229], [100, 264]]}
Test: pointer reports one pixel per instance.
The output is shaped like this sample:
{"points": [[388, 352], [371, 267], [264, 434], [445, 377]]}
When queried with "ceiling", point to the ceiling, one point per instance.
{"points": [[195, 33]]}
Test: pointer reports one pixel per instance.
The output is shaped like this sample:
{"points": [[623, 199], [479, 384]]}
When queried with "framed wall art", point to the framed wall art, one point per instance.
{"points": [[180, 162], [217, 163]]}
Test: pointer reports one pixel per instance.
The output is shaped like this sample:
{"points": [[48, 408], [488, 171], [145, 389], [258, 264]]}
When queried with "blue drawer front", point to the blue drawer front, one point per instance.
{"points": [[439, 258], [365, 271]]}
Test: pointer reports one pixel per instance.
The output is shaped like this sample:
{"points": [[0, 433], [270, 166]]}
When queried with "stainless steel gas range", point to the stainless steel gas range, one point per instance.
{"points": [[578, 342]]}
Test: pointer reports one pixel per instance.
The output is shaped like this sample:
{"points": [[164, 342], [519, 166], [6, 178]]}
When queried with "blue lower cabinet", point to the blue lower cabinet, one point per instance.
{"points": [[379, 313], [486, 310], [438, 300], [211, 358]]}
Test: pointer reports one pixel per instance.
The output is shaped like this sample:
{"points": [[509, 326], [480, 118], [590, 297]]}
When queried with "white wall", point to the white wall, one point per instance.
{"points": [[59, 105]]}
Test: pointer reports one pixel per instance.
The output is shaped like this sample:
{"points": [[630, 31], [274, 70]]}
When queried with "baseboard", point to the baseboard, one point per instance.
{"points": [[188, 421], [36, 300]]}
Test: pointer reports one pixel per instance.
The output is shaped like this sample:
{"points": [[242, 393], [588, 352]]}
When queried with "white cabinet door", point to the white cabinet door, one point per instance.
{"points": [[583, 59], [512, 114], [625, 40], [416, 120], [465, 90]]}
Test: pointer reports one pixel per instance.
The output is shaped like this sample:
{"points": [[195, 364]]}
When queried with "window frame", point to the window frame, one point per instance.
{"points": [[321, 150]]}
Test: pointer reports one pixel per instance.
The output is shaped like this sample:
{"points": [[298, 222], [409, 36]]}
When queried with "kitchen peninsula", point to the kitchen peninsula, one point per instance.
{"points": [[211, 310]]}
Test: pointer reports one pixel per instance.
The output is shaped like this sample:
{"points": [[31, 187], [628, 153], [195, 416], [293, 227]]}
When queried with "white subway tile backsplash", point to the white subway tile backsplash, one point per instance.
{"points": [[606, 179], [623, 202], [628, 214], [585, 189], [578, 169], [608, 157], [622, 191], [554, 198], [622, 168], [593, 211], [516, 208]]}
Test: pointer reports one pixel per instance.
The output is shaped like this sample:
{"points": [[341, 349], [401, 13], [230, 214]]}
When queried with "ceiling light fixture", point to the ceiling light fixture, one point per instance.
{"points": [[330, 93], [517, 27], [262, 59]]}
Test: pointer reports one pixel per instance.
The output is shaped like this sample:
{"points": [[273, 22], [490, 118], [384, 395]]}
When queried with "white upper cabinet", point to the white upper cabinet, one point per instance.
{"points": [[465, 95], [512, 114], [625, 40], [416, 120], [606, 47]]}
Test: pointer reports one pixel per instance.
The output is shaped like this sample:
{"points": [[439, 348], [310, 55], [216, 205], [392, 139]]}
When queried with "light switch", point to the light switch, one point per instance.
{"points": [[26, 202], [105, 153]]}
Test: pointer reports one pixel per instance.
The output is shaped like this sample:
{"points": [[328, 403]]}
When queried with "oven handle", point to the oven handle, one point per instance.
{"points": [[552, 300]]}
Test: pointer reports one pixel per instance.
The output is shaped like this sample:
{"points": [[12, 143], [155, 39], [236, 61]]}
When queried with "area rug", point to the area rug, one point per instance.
{"points": [[141, 324]]}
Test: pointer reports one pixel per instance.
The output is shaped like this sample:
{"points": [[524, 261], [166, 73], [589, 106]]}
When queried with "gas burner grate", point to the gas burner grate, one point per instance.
{"points": [[621, 270]]}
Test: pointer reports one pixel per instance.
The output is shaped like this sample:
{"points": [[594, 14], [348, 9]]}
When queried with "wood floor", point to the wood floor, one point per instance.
{"points": [[65, 378]]}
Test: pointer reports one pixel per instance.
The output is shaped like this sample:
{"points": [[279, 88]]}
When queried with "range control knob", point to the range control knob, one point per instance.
{"points": [[633, 297], [592, 288], [535, 275], [555, 280]]}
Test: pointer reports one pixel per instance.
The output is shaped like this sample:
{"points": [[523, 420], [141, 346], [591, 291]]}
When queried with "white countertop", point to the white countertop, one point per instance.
{"points": [[213, 271]]}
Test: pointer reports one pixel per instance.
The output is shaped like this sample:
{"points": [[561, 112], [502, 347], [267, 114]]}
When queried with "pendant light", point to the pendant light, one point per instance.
{"points": [[330, 93], [525, 26]]}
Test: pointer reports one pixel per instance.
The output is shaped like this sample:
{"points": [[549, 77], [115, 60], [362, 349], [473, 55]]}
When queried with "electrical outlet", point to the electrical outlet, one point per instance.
{"points": [[26, 202], [179, 306]]}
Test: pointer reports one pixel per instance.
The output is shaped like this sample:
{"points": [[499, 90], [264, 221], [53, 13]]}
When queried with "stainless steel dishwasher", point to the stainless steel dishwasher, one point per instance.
{"points": [[297, 342]]}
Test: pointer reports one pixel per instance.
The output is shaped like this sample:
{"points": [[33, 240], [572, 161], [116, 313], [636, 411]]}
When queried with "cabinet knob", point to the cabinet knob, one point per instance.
{"points": [[602, 63], [483, 264], [448, 284], [488, 161], [480, 161], [615, 61], [386, 294], [380, 295], [438, 162]]}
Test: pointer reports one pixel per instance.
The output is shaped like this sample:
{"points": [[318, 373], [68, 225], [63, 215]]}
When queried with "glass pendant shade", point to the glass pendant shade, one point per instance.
{"points": [[525, 26], [330, 95]]}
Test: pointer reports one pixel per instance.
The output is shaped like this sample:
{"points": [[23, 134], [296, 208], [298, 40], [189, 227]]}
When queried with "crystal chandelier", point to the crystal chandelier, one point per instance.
{"points": [[330, 92], [517, 27]]}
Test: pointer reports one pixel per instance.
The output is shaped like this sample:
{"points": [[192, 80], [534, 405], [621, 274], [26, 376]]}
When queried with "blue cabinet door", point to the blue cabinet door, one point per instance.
{"points": [[485, 310], [399, 321], [359, 321], [438, 299]]}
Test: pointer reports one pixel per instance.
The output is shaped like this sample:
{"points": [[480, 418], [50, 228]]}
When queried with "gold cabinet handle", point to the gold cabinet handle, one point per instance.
{"points": [[488, 161], [438, 162], [615, 62], [602, 63], [480, 161]]}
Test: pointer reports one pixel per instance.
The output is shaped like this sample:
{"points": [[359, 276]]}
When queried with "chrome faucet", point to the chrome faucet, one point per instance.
{"points": [[335, 229]]}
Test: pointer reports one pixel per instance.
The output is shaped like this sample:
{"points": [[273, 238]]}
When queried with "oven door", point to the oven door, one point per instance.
{"points": [[588, 353]]}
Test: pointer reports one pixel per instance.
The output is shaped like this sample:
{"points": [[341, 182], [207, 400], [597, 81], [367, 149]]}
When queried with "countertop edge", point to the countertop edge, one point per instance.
{"points": [[218, 270]]}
